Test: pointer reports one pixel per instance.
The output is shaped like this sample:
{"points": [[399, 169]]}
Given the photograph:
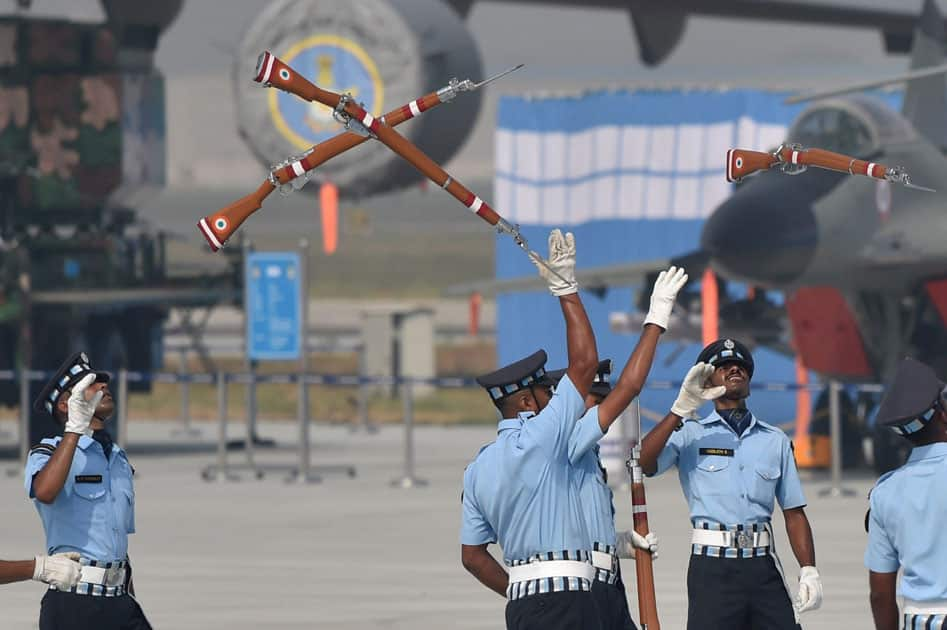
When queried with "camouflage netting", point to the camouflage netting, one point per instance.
{"points": [[65, 119]]}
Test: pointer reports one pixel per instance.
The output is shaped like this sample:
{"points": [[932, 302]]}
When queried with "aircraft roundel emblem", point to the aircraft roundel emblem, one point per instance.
{"points": [[728, 344], [332, 62], [739, 162]]}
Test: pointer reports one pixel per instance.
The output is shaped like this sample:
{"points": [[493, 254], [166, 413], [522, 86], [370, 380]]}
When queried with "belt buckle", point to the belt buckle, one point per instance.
{"points": [[114, 576], [743, 540]]}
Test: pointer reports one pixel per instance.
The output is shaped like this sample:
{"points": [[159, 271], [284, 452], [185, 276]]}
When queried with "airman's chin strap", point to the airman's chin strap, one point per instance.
{"points": [[532, 392]]}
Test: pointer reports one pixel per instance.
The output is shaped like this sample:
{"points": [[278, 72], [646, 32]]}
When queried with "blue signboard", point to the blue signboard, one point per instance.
{"points": [[273, 305]]}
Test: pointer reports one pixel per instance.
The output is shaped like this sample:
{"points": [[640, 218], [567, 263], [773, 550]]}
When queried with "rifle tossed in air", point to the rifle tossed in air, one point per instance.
{"points": [[293, 173], [793, 159]]}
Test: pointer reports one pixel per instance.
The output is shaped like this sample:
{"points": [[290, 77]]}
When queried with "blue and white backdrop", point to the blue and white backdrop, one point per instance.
{"points": [[633, 174]]}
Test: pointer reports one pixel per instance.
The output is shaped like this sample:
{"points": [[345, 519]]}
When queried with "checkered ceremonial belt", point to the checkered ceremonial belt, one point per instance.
{"points": [[550, 572], [100, 579], [605, 561], [739, 541], [930, 615]]}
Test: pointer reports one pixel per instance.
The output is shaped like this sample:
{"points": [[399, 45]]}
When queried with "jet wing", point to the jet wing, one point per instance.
{"points": [[659, 26], [596, 279]]}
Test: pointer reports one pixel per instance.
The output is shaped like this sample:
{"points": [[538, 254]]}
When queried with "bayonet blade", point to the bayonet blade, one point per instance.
{"points": [[497, 76]]}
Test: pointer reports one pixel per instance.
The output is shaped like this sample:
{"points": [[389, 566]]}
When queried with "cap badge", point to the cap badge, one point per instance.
{"points": [[728, 344]]}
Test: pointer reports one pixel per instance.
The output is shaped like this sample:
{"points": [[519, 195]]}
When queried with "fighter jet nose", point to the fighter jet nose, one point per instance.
{"points": [[766, 233]]}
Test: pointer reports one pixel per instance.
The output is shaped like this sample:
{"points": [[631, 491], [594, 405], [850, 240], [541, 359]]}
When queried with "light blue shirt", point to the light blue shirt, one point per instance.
{"points": [[594, 494], [730, 479], [95, 511], [519, 490], [906, 524]]}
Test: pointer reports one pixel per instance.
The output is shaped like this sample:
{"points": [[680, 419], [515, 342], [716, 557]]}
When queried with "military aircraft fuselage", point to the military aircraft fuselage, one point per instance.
{"points": [[822, 228]]}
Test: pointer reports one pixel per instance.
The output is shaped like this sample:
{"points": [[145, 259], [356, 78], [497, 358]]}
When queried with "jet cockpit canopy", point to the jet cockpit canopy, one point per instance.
{"points": [[857, 125]]}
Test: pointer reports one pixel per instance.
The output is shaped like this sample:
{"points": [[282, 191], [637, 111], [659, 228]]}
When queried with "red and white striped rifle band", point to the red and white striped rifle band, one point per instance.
{"points": [[639, 509], [299, 167], [475, 203], [414, 108], [266, 67]]}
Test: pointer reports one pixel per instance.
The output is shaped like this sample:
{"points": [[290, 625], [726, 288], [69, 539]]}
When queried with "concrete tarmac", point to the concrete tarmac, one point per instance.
{"points": [[358, 553]]}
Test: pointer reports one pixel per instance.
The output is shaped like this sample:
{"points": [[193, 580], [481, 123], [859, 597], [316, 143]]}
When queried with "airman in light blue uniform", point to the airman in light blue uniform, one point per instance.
{"points": [[729, 479], [519, 490], [83, 489], [733, 467], [908, 507], [95, 510], [543, 515]]}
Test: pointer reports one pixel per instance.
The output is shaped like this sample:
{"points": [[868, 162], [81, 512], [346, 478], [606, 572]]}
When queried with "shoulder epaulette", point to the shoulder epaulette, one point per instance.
{"points": [[882, 479], [43, 449]]}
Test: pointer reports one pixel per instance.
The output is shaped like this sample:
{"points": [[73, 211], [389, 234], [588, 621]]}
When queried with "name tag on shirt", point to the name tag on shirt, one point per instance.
{"points": [[726, 452], [88, 478]]}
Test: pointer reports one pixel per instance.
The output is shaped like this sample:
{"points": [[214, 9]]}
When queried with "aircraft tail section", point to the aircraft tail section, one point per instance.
{"points": [[925, 99]]}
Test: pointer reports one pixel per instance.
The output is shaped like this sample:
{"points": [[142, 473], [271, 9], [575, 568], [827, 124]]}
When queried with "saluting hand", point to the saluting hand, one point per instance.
{"points": [[82, 409], [694, 393], [61, 570], [663, 295], [562, 262]]}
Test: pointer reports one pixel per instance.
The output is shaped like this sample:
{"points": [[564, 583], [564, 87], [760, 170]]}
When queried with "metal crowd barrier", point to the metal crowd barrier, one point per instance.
{"points": [[303, 470]]}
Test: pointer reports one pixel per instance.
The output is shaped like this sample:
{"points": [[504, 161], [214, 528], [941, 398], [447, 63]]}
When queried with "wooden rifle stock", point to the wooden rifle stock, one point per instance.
{"points": [[273, 72], [832, 161], [221, 225], [644, 572], [793, 159], [741, 163]]}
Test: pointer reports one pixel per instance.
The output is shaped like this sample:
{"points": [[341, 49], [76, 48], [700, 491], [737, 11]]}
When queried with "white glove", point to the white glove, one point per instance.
{"points": [[662, 296], [562, 261], [61, 570], [81, 409], [810, 589], [630, 540], [693, 394]]}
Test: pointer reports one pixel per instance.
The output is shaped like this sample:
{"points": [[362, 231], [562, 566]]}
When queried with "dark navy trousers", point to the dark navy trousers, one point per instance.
{"points": [[69, 611], [737, 594]]}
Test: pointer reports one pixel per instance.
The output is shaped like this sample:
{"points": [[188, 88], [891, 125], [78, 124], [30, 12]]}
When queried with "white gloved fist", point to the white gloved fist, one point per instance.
{"points": [[810, 589], [81, 409], [61, 570], [693, 393], [562, 261], [630, 540], [663, 295]]}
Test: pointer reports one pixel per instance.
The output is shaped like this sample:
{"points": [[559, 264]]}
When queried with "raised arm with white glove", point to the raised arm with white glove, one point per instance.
{"points": [[663, 295], [810, 589], [629, 540], [81, 408], [60, 570], [562, 262], [694, 391]]}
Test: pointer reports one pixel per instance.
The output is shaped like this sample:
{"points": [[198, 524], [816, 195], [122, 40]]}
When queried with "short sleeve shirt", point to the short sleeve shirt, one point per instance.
{"points": [[520, 490], [730, 479], [95, 511], [906, 524]]}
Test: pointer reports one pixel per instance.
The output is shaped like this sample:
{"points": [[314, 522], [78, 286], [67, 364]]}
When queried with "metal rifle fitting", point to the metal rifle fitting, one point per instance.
{"points": [[343, 117], [448, 92]]}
